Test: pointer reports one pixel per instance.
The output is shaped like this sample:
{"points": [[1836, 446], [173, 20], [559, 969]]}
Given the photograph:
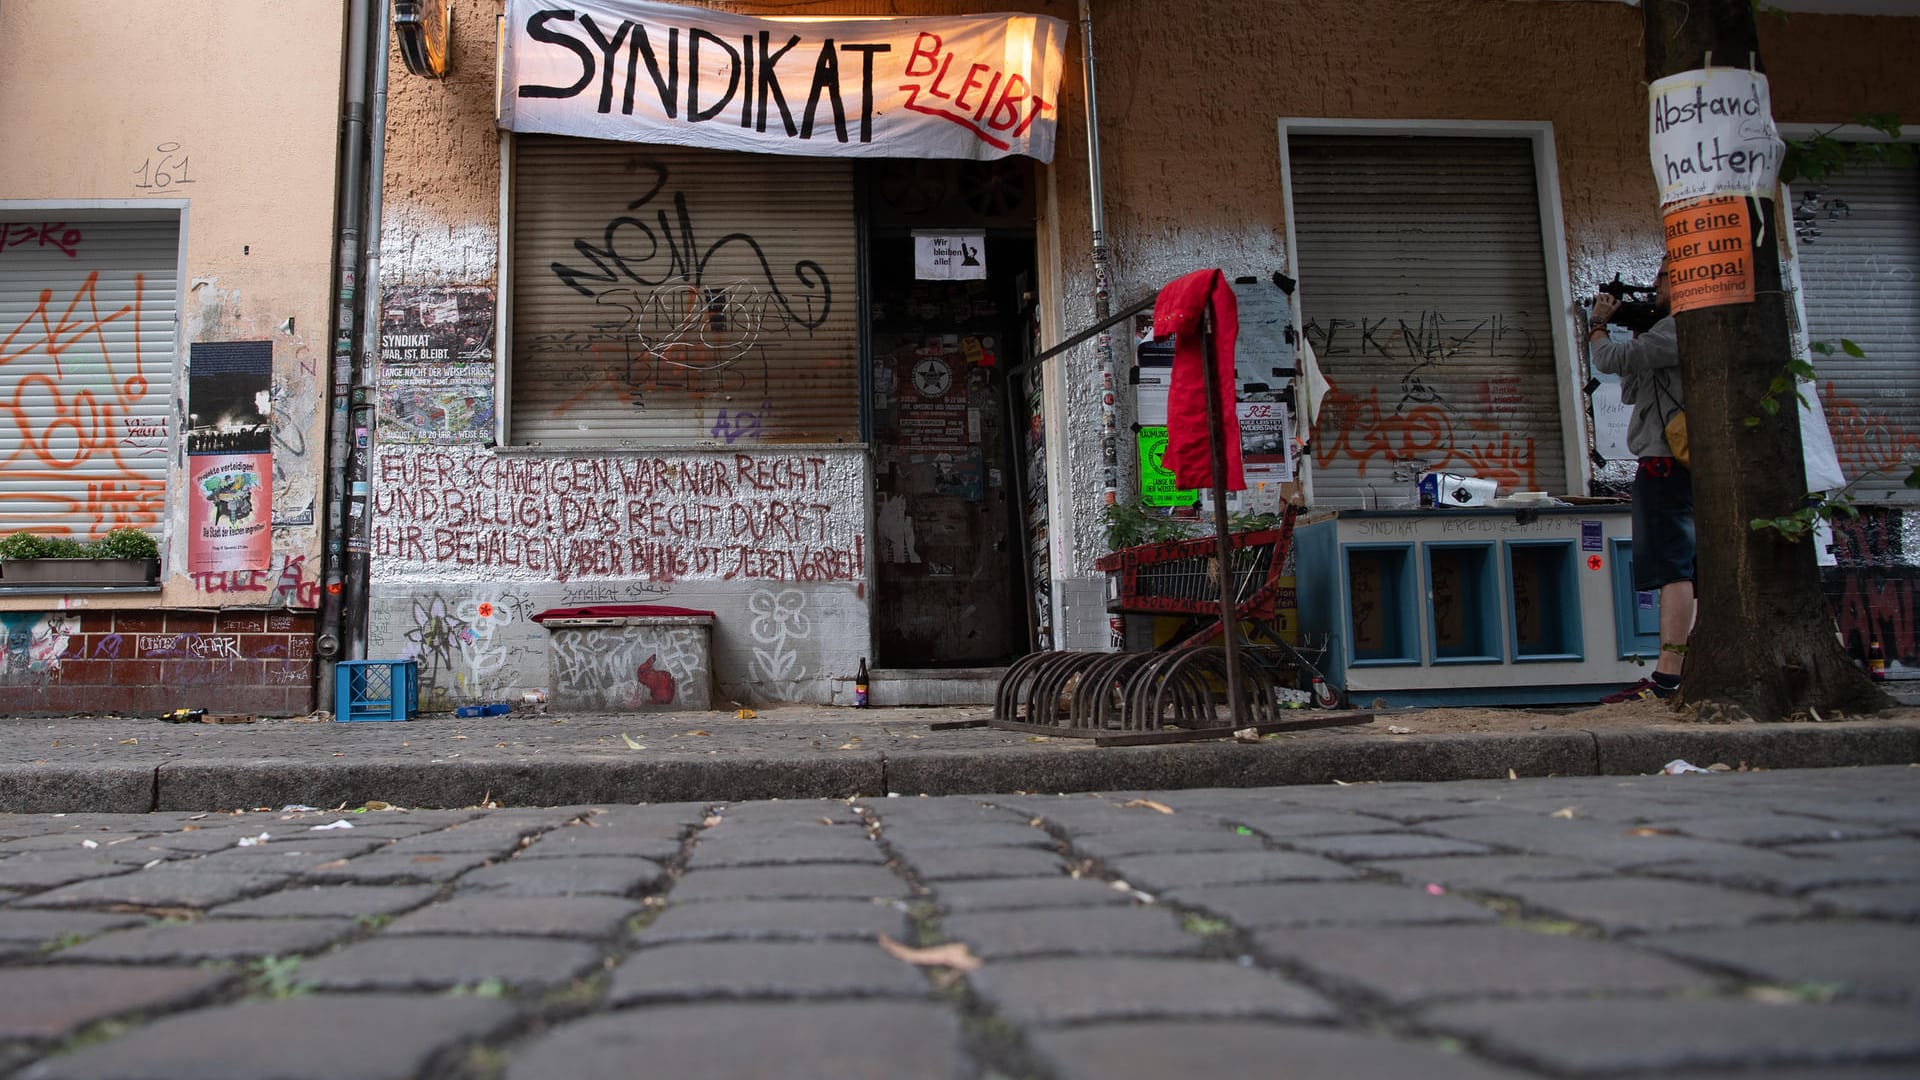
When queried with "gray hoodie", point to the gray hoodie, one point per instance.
{"points": [[1649, 370]]}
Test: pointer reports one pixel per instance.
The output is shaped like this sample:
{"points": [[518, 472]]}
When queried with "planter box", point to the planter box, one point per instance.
{"points": [[79, 573]]}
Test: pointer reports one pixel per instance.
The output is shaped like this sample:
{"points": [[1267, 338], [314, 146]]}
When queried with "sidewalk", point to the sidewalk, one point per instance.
{"points": [[137, 765], [1706, 927]]}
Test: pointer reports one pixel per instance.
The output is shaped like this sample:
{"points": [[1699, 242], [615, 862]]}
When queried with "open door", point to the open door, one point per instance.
{"points": [[949, 550]]}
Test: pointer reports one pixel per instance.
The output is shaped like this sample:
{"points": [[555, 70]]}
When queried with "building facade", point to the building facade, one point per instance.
{"points": [[166, 291], [806, 392], [901, 480]]}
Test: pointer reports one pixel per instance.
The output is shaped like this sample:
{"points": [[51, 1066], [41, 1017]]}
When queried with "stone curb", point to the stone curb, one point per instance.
{"points": [[1060, 765]]}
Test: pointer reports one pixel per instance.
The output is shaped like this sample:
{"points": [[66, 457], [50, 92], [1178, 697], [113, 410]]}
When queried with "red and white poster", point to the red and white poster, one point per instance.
{"points": [[229, 512], [229, 456]]}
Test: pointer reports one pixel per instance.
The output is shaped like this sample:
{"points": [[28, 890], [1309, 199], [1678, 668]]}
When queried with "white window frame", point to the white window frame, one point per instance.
{"points": [[503, 302], [1553, 247]]}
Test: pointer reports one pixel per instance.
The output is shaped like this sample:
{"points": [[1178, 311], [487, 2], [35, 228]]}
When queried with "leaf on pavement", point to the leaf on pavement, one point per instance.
{"points": [[1563, 812], [632, 743], [955, 955], [1160, 807]]}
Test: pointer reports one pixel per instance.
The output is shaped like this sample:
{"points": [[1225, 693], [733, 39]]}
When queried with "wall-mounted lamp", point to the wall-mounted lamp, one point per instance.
{"points": [[424, 29]]}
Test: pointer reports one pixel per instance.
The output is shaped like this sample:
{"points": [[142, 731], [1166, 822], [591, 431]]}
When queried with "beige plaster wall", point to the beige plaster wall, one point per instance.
{"points": [[250, 92]]}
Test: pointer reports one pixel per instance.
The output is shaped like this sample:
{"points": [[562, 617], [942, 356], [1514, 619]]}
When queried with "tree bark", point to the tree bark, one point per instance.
{"points": [[1764, 644]]}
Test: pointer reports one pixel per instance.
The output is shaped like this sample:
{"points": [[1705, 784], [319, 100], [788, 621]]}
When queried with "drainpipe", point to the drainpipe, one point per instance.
{"points": [[1105, 382], [358, 526], [349, 203], [1102, 280]]}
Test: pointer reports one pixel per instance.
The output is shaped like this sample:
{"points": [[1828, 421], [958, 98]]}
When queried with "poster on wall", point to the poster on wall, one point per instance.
{"points": [[1157, 485], [1264, 352], [436, 364], [1709, 253], [1711, 132], [229, 456], [1610, 416], [931, 383], [973, 86]]}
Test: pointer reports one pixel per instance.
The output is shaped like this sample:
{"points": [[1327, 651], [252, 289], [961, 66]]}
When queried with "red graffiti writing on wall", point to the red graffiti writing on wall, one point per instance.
{"points": [[291, 587], [1004, 107], [62, 432], [53, 234], [1359, 430], [1866, 441], [714, 516], [571, 558], [1876, 603]]}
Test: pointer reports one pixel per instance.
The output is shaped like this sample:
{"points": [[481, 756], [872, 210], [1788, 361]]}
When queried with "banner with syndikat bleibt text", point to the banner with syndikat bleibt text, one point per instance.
{"points": [[974, 86]]}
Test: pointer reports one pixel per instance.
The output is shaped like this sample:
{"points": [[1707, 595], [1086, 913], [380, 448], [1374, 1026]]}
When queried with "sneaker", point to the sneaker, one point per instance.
{"points": [[1645, 688]]}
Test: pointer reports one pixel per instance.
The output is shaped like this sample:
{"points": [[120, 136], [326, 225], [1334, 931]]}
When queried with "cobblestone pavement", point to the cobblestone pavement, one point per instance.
{"points": [[1755, 924]]}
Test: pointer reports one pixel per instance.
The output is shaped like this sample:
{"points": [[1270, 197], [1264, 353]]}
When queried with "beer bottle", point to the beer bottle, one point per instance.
{"points": [[860, 686], [1876, 661]]}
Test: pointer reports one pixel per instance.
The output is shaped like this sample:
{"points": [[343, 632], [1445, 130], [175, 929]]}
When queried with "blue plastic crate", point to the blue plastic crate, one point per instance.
{"points": [[375, 690]]}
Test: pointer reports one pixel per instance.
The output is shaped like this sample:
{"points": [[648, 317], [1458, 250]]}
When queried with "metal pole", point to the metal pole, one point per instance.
{"points": [[357, 524], [1104, 379], [350, 203], [1222, 539], [1102, 283]]}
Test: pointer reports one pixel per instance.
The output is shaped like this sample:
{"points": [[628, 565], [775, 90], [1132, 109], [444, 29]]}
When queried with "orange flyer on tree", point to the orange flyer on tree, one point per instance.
{"points": [[1710, 252]]}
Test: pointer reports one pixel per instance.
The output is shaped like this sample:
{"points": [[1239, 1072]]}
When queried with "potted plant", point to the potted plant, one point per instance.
{"points": [[124, 556]]}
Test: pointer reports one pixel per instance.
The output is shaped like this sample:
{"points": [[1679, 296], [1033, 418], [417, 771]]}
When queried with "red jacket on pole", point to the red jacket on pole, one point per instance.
{"points": [[1178, 311]]}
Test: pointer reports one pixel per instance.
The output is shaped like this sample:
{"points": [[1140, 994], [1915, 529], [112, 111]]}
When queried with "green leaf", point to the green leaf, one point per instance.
{"points": [[1887, 124], [1754, 421], [1801, 368], [1769, 406], [1852, 350], [1823, 348], [1778, 385]]}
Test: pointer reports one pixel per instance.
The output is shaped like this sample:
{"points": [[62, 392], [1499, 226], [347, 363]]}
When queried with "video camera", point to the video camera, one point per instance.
{"points": [[1637, 315]]}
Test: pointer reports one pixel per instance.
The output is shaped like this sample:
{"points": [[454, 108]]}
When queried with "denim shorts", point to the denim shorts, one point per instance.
{"points": [[1662, 524]]}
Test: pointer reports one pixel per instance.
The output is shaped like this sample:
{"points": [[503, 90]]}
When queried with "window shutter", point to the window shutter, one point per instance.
{"points": [[665, 296], [1424, 294], [88, 316], [1859, 251]]}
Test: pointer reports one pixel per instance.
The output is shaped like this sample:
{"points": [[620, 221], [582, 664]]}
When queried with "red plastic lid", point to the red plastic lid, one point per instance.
{"points": [[617, 611]]}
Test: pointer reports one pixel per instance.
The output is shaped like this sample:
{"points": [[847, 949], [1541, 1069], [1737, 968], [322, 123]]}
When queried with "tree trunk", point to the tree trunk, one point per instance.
{"points": [[1764, 644]]}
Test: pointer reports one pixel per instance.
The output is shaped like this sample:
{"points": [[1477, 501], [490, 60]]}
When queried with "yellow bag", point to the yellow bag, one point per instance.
{"points": [[1676, 431], [1675, 428]]}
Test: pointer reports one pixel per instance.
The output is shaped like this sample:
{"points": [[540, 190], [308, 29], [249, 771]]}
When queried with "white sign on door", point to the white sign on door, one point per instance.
{"points": [[949, 256]]}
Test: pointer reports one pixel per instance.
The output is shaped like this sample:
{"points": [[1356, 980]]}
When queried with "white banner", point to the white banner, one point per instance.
{"points": [[977, 86], [1711, 132]]}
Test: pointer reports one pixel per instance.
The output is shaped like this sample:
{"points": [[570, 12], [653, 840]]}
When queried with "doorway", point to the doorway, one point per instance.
{"points": [[951, 580]]}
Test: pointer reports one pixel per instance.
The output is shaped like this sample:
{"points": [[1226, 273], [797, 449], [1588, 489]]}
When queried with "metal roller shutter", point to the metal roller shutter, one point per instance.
{"points": [[88, 311], [1424, 293], [669, 296], [1859, 252]]}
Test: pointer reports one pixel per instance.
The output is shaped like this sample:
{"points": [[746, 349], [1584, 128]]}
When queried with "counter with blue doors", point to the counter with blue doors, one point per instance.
{"points": [[1480, 606]]}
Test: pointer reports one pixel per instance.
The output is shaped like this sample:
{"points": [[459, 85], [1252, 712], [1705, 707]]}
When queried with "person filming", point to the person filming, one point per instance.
{"points": [[1649, 369]]}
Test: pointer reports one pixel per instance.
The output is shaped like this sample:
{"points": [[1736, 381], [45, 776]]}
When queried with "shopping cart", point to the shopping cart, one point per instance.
{"points": [[1194, 688], [1176, 691], [1181, 578]]}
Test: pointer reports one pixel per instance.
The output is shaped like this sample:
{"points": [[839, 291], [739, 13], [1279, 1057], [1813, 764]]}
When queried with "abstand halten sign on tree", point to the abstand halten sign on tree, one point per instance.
{"points": [[1714, 147], [964, 87]]}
